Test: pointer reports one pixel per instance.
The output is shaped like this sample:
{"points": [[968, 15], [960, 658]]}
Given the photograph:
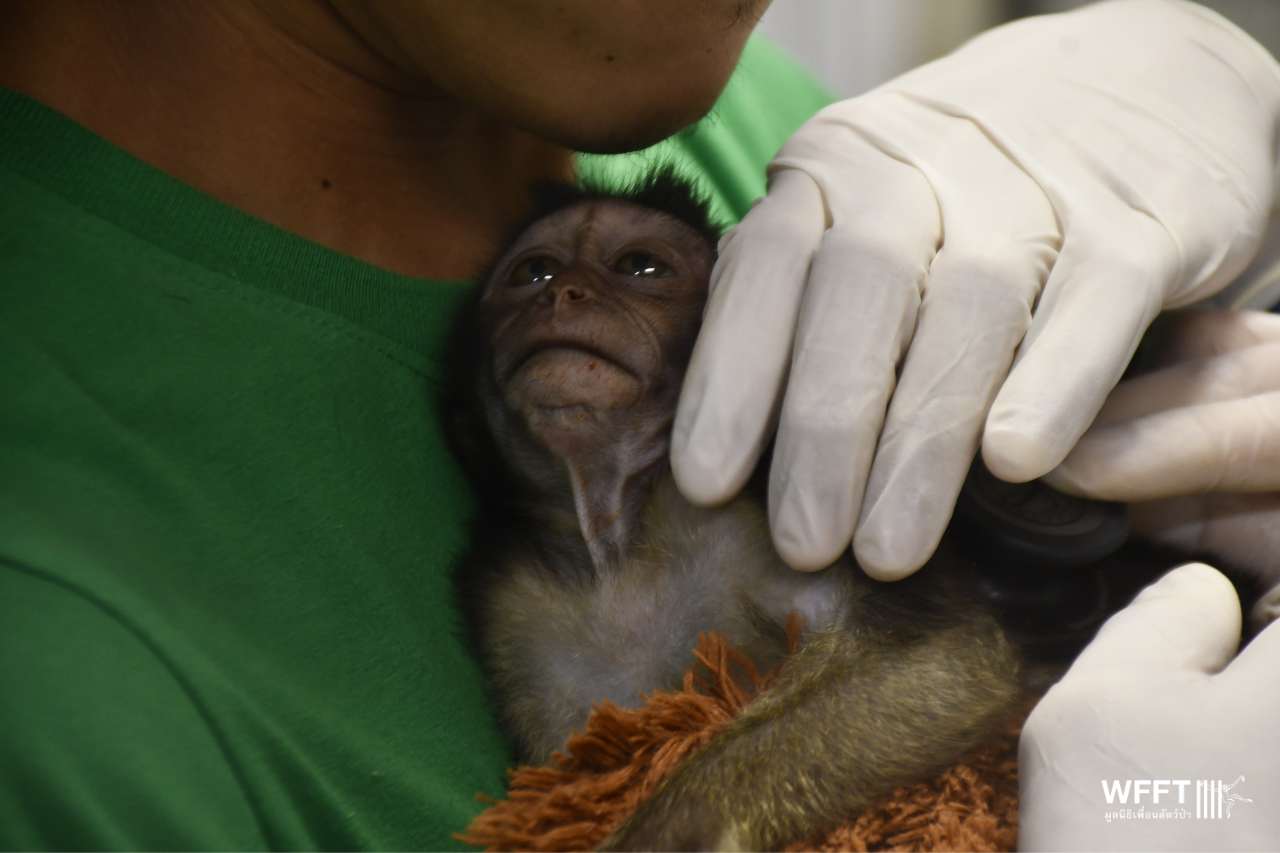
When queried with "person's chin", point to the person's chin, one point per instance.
{"points": [[620, 140], [600, 135]]}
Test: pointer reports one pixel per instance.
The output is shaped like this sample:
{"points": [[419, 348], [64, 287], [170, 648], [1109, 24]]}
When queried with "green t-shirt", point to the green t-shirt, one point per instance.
{"points": [[227, 516]]}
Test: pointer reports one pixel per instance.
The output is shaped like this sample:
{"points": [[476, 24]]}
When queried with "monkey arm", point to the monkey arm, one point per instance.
{"points": [[851, 716]]}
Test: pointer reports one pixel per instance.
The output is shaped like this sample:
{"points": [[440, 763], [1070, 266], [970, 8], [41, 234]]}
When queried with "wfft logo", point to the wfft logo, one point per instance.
{"points": [[1171, 799]]}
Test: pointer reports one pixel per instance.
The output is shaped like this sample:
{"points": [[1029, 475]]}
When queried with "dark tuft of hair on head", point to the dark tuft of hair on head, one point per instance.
{"points": [[662, 188]]}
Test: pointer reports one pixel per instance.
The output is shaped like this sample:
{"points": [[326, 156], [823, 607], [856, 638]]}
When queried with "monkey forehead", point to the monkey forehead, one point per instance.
{"points": [[602, 226]]}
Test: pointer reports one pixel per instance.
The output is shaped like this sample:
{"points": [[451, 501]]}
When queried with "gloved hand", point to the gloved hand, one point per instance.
{"points": [[1195, 444], [1157, 696], [1055, 182]]}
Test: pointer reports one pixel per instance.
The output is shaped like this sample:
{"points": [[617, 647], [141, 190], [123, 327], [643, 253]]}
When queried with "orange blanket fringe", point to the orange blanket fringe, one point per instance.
{"points": [[622, 755]]}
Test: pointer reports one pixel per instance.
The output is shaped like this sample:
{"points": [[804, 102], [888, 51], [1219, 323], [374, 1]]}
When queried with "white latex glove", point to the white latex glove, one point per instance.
{"points": [[1157, 696], [1195, 444], [1055, 183]]}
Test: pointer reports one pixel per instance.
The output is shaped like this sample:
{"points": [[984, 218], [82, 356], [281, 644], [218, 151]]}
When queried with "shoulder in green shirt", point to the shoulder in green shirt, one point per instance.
{"points": [[227, 516]]}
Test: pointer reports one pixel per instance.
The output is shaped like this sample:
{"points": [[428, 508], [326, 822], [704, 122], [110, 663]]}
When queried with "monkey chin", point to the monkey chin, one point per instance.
{"points": [[565, 396]]}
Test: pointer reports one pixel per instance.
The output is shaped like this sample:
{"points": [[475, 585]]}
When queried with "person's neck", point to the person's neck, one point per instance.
{"points": [[286, 115]]}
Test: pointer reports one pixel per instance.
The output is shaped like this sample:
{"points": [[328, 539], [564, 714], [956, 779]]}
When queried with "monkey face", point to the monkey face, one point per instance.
{"points": [[591, 315]]}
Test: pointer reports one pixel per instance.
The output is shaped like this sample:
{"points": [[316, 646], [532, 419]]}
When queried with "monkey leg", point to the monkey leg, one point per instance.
{"points": [[850, 717]]}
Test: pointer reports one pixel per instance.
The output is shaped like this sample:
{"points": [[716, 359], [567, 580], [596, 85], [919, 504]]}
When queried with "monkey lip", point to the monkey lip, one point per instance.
{"points": [[552, 377], [559, 346]]}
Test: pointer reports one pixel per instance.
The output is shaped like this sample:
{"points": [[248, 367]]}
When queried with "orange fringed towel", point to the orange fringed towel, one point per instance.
{"points": [[621, 756]]}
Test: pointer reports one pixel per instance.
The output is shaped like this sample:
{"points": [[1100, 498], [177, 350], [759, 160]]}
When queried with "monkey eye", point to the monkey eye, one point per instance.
{"points": [[642, 264], [539, 269]]}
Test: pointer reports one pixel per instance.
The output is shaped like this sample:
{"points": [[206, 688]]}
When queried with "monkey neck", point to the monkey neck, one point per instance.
{"points": [[610, 491], [602, 483]]}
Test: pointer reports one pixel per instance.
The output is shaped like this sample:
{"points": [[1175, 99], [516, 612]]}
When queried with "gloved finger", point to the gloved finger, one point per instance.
{"points": [[1186, 622], [738, 366], [1227, 446], [1204, 333], [1240, 530], [976, 308], [1240, 372], [858, 316], [1092, 314], [969, 325]]}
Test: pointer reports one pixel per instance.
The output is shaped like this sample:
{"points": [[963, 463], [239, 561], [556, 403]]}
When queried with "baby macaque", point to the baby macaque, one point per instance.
{"points": [[590, 576]]}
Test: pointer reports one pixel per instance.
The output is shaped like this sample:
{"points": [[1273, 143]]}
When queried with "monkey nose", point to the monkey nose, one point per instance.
{"points": [[563, 292]]}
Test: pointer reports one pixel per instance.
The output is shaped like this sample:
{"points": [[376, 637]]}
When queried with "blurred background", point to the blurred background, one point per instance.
{"points": [[852, 45]]}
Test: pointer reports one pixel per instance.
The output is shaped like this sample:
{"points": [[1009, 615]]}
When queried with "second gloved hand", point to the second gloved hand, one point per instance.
{"points": [[1194, 444], [1113, 756], [1002, 224]]}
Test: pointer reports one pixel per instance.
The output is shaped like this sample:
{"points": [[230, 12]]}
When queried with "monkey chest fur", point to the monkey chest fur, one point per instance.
{"points": [[559, 642]]}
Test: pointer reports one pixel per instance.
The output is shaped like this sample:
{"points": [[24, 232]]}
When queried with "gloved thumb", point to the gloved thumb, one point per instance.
{"points": [[1188, 622]]}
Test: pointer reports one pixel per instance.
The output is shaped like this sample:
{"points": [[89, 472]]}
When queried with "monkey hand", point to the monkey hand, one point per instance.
{"points": [[1195, 444], [999, 225], [1156, 718]]}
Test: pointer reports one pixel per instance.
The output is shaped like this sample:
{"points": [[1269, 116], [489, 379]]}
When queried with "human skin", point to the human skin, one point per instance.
{"points": [[401, 132]]}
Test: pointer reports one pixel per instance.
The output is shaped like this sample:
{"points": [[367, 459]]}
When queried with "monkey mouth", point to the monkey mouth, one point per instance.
{"points": [[571, 348], [568, 377]]}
